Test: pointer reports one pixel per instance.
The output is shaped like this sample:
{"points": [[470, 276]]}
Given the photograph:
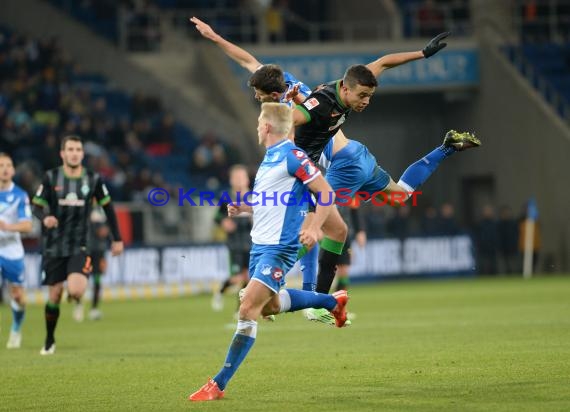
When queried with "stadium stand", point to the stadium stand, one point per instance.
{"points": [[543, 51], [134, 22], [427, 18], [44, 94]]}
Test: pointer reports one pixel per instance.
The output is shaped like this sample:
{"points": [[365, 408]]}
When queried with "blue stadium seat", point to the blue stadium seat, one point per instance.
{"points": [[552, 63]]}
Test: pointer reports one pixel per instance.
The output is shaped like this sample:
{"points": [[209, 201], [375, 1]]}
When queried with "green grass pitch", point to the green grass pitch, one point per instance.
{"points": [[458, 345]]}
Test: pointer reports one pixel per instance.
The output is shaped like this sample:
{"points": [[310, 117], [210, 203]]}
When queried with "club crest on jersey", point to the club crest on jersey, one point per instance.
{"points": [[266, 270], [311, 103], [299, 154], [10, 198], [85, 190], [275, 157], [277, 274]]}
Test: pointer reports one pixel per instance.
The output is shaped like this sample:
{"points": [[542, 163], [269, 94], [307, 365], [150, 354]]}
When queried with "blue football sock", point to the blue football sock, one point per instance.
{"points": [[241, 344], [417, 173], [303, 299], [309, 265], [18, 313]]}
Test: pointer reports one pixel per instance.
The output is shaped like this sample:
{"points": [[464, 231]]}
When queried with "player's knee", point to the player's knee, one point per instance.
{"points": [[342, 230], [76, 292], [19, 296], [55, 294], [398, 198], [272, 308], [247, 309]]}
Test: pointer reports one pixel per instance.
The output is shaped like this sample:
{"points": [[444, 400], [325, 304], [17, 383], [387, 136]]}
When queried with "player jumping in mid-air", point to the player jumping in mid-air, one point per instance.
{"points": [[271, 84], [351, 166]]}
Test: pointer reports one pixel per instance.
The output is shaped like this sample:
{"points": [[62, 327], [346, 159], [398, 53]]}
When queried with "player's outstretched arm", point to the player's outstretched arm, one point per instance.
{"points": [[236, 53], [395, 59]]}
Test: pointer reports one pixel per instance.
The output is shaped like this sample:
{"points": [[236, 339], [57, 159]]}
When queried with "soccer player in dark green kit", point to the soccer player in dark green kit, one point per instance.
{"points": [[63, 204]]}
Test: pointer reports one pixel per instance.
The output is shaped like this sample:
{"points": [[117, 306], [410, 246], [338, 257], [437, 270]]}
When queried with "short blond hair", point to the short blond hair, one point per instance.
{"points": [[279, 115]]}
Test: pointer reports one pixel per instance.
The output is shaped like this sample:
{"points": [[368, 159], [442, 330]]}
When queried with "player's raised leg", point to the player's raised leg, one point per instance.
{"points": [[417, 173]]}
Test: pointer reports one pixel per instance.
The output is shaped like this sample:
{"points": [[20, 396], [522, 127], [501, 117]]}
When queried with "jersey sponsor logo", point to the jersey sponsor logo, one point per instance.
{"points": [[311, 103], [277, 274], [71, 200], [74, 202]]}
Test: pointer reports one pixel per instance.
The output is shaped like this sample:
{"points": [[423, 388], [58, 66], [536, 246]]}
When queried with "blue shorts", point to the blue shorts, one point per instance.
{"points": [[12, 270], [269, 264], [354, 169]]}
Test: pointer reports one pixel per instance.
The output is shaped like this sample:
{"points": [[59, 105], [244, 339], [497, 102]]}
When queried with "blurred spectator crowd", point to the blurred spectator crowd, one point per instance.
{"points": [[135, 24], [428, 18], [130, 140], [544, 20]]}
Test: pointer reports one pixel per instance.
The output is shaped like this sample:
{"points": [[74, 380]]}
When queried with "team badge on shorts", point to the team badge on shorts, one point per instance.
{"points": [[266, 270]]}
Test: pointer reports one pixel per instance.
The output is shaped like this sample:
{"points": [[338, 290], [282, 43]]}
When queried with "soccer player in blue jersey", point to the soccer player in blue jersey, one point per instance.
{"points": [[15, 218], [282, 181], [271, 84]]}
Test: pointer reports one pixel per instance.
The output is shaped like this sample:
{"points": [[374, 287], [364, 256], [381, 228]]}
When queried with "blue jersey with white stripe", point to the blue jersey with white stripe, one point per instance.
{"points": [[280, 196], [14, 208]]}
